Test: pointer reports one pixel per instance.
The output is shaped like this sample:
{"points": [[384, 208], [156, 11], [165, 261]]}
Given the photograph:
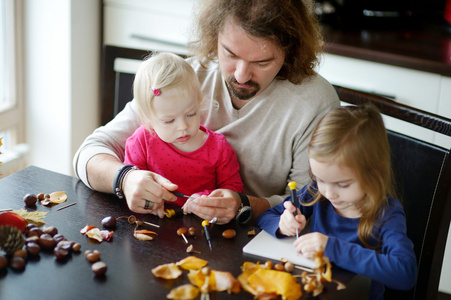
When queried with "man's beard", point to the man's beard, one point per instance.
{"points": [[240, 93]]}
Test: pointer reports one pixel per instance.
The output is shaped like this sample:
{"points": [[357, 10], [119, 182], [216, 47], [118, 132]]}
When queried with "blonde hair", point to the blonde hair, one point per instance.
{"points": [[356, 137], [290, 24], [163, 71]]}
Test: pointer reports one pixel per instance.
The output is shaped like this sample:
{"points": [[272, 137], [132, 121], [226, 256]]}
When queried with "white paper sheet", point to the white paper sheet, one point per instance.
{"points": [[267, 246]]}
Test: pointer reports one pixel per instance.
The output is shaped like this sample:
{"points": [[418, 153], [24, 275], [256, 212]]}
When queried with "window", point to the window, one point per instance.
{"points": [[11, 104]]}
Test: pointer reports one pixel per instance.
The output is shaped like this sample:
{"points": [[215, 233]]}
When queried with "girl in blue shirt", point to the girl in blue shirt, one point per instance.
{"points": [[355, 218]]}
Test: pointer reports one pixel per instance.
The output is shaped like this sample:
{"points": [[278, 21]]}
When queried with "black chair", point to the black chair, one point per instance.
{"points": [[116, 86], [423, 175]]}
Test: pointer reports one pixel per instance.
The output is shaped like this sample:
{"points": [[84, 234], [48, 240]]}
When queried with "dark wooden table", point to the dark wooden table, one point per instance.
{"points": [[129, 260]]}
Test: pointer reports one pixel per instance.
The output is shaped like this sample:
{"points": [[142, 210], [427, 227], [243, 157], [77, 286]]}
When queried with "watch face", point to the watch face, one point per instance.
{"points": [[244, 215]]}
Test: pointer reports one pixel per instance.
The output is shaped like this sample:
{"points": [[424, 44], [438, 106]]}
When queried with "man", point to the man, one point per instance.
{"points": [[255, 62]]}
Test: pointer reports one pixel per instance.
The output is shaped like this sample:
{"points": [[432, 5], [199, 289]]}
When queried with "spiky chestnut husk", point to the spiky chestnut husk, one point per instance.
{"points": [[11, 239]]}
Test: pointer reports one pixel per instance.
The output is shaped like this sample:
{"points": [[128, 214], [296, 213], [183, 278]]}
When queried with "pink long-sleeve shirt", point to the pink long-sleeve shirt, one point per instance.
{"points": [[214, 165]]}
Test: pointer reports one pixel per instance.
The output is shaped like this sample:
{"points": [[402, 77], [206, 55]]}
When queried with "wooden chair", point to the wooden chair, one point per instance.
{"points": [[423, 175]]}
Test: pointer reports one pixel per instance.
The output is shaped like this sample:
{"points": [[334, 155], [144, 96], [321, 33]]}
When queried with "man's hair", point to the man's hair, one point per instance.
{"points": [[290, 24]]}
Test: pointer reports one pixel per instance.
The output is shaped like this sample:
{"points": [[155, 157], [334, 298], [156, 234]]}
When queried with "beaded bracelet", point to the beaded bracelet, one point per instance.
{"points": [[119, 179]]}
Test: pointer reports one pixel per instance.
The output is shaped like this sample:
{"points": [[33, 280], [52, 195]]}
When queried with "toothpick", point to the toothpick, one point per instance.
{"points": [[6, 209], [66, 206], [304, 268], [151, 224]]}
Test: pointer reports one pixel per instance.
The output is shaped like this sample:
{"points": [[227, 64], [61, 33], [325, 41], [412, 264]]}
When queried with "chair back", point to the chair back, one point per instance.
{"points": [[423, 176], [116, 84]]}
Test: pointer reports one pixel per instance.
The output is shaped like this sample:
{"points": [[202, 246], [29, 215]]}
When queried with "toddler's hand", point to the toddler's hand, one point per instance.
{"points": [[308, 244], [288, 222]]}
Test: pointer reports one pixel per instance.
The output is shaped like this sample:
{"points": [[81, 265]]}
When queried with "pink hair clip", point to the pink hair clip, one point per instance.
{"points": [[156, 92]]}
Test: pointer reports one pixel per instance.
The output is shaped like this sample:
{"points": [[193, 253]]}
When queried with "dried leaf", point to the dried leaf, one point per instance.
{"points": [[216, 281], [58, 197], [106, 235], [192, 263], [264, 283], [95, 234], [184, 292], [144, 234], [167, 271], [226, 282], [86, 229], [34, 217]]}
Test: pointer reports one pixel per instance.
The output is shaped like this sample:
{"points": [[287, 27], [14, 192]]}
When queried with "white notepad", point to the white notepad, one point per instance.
{"points": [[267, 246]]}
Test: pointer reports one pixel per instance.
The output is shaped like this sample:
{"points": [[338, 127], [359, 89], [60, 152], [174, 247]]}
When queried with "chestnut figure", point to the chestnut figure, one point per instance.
{"points": [[30, 199]]}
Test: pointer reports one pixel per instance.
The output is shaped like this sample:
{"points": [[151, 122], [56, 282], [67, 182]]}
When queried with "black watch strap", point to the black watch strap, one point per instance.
{"points": [[245, 213], [244, 199]]}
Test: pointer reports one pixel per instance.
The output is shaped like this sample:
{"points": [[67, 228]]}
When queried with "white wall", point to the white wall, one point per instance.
{"points": [[62, 62]]}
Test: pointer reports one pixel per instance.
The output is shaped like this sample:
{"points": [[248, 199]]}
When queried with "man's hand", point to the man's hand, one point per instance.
{"points": [[140, 185], [222, 204]]}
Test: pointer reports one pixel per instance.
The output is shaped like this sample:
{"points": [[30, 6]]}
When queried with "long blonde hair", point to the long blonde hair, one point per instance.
{"points": [[163, 71], [356, 137]]}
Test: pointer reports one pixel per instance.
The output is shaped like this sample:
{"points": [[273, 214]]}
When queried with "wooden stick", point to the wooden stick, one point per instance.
{"points": [[6, 209], [151, 224], [66, 206], [304, 268]]}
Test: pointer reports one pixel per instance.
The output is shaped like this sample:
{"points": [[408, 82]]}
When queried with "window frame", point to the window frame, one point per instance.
{"points": [[12, 121]]}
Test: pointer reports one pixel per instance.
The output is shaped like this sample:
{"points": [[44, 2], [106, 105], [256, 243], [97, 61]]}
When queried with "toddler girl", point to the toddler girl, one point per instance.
{"points": [[171, 142]]}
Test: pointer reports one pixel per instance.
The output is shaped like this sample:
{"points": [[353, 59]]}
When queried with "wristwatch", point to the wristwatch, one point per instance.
{"points": [[245, 213]]}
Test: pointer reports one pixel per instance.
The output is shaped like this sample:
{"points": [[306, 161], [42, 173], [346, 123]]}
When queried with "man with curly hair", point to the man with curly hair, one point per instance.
{"points": [[255, 60]]}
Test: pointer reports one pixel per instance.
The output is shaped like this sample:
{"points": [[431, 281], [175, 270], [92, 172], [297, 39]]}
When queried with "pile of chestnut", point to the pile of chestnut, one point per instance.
{"points": [[46, 240]]}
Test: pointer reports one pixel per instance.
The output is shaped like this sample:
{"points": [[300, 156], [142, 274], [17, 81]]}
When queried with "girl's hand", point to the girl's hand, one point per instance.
{"points": [[308, 244], [288, 222]]}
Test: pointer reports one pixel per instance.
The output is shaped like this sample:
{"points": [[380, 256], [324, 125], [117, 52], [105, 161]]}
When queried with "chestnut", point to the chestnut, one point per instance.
{"points": [[30, 199], [52, 230], [34, 231], [60, 253], [229, 233], [17, 263], [109, 222], [99, 268], [33, 249], [3, 262], [46, 241]]}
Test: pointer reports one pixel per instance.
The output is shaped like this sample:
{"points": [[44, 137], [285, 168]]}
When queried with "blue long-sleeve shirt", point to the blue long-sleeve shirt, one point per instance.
{"points": [[393, 266]]}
